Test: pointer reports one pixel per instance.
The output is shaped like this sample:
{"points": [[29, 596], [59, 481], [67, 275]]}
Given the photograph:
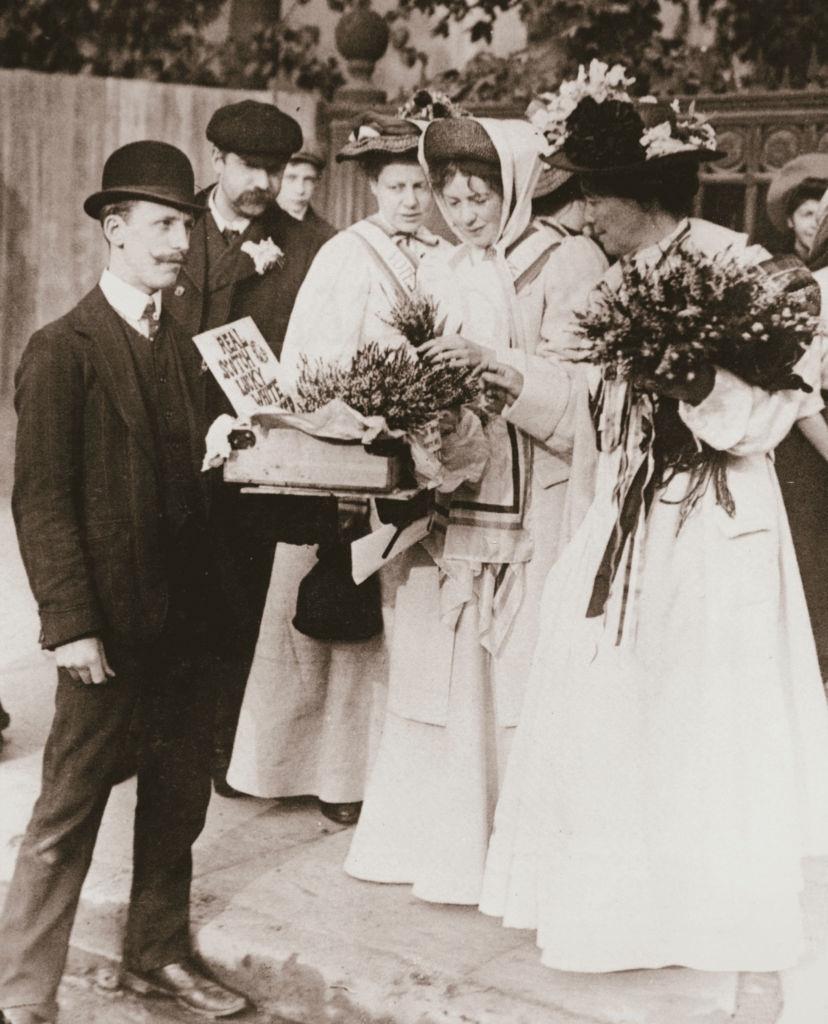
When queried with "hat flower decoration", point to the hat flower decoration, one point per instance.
{"points": [[429, 105], [265, 254], [686, 132], [594, 124], [550, 112]]}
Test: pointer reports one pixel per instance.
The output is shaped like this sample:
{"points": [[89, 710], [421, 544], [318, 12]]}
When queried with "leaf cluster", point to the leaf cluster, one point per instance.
{"points": [[392, 383], [662, 325], [160, 41]]}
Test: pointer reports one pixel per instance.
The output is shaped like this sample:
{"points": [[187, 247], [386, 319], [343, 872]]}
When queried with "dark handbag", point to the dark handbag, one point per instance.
{"points": [[330, 606]]}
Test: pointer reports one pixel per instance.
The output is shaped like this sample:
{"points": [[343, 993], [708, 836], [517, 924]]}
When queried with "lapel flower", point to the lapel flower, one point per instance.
{"points": [[265, 254]]}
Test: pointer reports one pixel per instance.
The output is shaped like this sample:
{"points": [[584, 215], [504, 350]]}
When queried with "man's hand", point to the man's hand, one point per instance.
{"points": [[84, 660]]}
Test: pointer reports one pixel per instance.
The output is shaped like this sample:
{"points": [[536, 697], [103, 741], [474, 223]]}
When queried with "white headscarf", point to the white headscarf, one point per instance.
{"points": [[519, 147]]}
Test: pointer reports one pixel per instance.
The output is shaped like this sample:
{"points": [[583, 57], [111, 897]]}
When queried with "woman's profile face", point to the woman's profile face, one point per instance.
{"points": [[474, 209], [614, 222], [803, 222]]}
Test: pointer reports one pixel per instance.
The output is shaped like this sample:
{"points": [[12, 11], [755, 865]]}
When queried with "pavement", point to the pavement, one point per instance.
{"points": [[274, 914]]}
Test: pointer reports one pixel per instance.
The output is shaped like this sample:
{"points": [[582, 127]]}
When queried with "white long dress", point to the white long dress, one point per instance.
{"points": [[452, 705], [662, 791], [310, 706]]}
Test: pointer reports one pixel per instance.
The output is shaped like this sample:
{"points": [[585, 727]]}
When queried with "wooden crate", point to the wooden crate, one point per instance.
{"points": [[283, 456]]}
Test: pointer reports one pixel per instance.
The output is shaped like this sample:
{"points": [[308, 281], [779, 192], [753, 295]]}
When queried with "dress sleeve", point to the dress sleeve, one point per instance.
{"points": [[542, 407], [742, 419], [329, 314]]}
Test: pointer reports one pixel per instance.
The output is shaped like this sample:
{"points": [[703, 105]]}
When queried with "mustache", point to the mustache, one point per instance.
{"points": [[256, 195]]}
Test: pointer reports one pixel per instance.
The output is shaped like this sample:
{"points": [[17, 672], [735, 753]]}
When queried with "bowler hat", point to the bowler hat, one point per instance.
{"points": [[155, 171], [253, 128], [791, 177]]}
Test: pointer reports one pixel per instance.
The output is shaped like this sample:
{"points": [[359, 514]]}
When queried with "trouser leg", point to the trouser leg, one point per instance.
{"points": [[177, 709], [54, 857]]}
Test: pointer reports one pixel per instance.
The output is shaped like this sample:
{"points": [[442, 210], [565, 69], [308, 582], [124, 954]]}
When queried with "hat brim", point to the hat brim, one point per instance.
{"points": [[780, 193], [394, 144], [96, 202], [550, 180], [700, 156]]}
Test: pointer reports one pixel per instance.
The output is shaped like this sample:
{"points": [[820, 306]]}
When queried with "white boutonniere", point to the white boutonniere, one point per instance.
{"points": [[265, 254]]}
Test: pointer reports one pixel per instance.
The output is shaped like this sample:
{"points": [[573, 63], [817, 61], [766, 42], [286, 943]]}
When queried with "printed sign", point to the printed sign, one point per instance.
{"points": [[244, 365]]}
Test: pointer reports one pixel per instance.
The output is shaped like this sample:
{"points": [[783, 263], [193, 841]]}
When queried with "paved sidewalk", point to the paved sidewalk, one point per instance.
{"points": [[275, 914]]}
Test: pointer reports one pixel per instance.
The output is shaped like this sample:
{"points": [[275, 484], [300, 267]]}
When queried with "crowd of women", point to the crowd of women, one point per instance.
{"points": [[607, 728]]}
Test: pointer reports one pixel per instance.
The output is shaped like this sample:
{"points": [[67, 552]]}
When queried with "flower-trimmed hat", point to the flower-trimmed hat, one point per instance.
{"points": [[593, 125], [374, 132], [804, 177]]}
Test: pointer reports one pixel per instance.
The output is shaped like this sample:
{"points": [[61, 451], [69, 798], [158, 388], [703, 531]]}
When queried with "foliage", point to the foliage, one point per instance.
{"points": [[158, 40], [785, 41], [415, 317]]}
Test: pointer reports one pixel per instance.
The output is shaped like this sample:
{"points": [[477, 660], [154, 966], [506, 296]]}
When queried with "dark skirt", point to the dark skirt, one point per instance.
{"points": [[803, 477]]}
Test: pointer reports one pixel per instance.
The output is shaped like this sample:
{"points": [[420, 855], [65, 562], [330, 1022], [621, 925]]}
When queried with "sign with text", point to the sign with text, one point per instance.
{"points": [[244, 365]]}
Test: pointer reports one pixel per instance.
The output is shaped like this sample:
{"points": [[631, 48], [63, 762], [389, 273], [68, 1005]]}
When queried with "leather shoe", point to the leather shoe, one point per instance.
{"points": [[188, 983], [342, 814], [25, 1015]]}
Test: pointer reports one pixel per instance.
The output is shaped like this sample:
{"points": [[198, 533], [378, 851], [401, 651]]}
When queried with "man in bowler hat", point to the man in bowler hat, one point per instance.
{"points": [[251, 144], [112, 518]]}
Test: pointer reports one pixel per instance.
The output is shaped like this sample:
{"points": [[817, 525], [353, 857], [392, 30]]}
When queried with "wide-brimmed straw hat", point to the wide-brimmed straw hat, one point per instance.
{"points": [[808, 171], [375, 132], [153, 171]]}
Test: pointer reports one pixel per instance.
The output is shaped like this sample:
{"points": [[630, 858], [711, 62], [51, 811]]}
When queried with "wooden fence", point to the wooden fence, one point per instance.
{"points": [[55, 133]]}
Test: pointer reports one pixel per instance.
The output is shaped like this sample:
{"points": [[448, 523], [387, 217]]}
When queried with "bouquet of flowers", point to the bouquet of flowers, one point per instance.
{"points": [[661, 325], [392, 383]]}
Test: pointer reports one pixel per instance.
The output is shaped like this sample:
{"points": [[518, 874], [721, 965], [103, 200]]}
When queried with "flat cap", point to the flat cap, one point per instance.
{"points": [[311, 153], [458, 138], [807, 169], [255, 129]]}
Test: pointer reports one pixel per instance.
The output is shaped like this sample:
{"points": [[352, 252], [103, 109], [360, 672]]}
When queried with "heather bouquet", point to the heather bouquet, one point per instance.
{"points": [[394, 383], [660, 325], [658, 328]]}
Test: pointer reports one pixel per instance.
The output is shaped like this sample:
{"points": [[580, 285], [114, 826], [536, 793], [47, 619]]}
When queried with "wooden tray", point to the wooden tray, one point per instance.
{"points": [[284, 457]]}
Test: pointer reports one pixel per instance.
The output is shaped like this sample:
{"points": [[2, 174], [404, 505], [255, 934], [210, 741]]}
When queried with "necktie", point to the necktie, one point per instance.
{"points": [[150, 318], [230, 235]]}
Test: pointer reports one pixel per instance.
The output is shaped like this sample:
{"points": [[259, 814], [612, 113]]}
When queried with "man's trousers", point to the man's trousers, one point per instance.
{"points": [[167, 680]]}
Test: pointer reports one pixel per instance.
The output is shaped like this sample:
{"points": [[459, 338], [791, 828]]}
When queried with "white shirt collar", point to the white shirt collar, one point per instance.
{"points": [[239, 224], [128, 301]]}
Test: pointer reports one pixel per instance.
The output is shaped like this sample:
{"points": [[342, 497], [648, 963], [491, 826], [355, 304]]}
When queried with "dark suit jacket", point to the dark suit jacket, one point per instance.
{"points": [[86, 497], [234, 287]]}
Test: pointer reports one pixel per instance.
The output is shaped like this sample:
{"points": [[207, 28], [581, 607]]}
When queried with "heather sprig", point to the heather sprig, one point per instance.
{"points": [[415, 317]]}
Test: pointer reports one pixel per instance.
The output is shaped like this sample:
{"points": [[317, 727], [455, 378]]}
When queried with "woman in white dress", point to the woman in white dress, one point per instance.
{"points": [[306, 721], [670, 769], [465, 610]]}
